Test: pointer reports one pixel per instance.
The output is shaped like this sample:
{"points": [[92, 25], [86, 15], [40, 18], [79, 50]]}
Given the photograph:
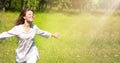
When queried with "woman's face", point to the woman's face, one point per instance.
{"points": [[29, 16]]}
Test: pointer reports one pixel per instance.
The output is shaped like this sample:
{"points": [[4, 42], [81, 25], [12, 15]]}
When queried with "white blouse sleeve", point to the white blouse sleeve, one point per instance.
{"points": [[42, 33], [8, 34]]}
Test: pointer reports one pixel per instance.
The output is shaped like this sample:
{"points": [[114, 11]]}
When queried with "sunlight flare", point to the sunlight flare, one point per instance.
{"points": [[104, 19]]}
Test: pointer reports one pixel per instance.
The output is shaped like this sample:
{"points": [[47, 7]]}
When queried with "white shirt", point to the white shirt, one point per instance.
{"points": [[26, 47]]}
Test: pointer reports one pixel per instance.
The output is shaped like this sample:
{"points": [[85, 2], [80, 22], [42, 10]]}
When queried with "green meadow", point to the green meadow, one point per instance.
{"points": [[82, 38]]}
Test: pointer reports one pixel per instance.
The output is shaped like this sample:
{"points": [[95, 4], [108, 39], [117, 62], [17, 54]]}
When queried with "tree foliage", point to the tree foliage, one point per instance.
{"points": [[58, 5]]}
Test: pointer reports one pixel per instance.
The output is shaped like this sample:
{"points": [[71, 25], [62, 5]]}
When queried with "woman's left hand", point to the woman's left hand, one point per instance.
{"points": [[55, 35]]}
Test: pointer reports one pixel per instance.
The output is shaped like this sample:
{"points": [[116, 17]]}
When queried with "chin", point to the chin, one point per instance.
{"points": [[30, 21]]}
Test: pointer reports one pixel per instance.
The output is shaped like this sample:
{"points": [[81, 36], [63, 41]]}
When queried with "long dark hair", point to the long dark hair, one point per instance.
{"points": [[20, 19]]}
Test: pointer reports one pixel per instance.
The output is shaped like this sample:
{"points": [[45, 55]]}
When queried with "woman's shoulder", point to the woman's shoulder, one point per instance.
{"points": [[34, 26], [18, 26]]}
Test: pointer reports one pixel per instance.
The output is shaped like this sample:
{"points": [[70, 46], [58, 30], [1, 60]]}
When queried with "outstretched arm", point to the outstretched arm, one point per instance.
{"points": [[45, 33], [8, 34], [42, 33]]}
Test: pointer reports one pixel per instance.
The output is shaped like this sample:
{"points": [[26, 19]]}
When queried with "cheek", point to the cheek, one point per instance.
{"points": [[27, 18]]}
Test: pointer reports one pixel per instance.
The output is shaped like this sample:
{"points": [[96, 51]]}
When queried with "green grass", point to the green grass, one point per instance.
{"points": [[79, 42]]}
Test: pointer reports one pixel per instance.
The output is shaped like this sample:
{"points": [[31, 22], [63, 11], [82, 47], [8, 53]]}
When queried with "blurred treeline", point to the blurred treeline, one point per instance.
{"points": [[56, 5]]}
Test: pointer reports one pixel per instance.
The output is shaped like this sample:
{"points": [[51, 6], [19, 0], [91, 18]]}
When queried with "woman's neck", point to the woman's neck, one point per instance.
{"points": [[27, 24]]}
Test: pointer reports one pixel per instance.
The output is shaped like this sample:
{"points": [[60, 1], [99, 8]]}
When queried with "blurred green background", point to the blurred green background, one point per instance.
{"points": [[89, 30]]}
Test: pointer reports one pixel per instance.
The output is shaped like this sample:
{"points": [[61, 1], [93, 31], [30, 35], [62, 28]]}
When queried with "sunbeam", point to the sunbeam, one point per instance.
{"points": [[104, 19]]}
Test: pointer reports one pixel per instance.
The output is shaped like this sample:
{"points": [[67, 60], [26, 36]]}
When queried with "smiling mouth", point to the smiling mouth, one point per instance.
{"points": [[31, 17]]}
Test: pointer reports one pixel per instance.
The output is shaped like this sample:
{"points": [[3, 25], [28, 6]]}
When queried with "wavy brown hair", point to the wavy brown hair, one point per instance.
{"points": [[20, 19]]}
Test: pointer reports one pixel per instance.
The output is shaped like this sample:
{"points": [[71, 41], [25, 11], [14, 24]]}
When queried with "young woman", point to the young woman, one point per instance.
{"points": [[25, 31]]}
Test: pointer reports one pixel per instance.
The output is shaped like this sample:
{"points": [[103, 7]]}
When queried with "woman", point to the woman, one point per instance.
{"points": [[25, 31]]}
